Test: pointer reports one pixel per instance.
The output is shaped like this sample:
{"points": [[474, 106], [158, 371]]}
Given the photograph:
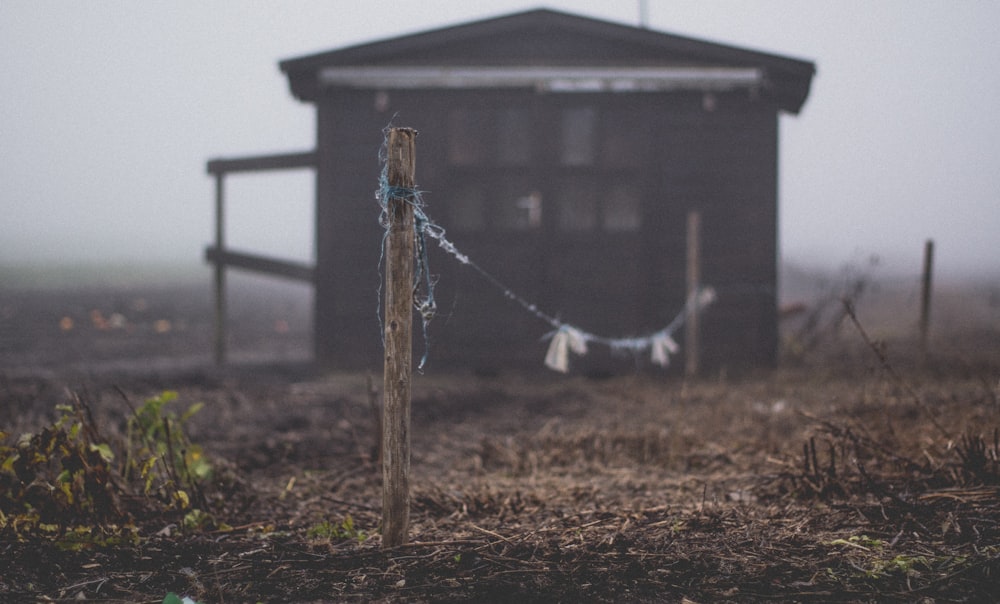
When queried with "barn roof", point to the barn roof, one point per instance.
{"points": [[553, 51]]}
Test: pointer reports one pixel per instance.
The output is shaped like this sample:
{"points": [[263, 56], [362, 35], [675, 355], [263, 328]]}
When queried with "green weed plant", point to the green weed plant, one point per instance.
{"points": [[65, 482], [329, 531], [161, 456]]}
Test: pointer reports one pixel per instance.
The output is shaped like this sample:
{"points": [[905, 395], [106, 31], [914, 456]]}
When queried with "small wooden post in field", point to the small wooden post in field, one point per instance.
{"points": [[399, 253], [693, 286], [925, 296]]}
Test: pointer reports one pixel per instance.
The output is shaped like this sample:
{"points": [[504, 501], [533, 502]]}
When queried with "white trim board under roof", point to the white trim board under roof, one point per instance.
{"points": [[547, 79]]}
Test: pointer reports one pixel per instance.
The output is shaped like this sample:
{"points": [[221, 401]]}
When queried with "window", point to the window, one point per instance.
{"points": [[466, 137], [514, 136], [626, 140], [501, 161], [519, 208], [578, 135], [622, 209], [576, 207], [468, 209]]}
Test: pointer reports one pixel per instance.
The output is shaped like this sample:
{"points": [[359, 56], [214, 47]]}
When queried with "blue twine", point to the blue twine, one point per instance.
{"points": [[636, 345], [427, 307], [699, 300], [424, 304]]}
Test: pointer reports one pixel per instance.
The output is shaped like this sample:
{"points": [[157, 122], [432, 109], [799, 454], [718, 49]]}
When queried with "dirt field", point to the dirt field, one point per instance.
{"points": [[841, 477]]}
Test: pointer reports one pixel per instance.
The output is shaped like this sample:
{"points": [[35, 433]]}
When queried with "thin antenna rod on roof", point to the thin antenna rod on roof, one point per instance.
{"points": [[644, 14]]}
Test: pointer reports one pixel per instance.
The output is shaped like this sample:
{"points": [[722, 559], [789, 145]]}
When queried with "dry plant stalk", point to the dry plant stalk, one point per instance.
{"points": [[884, 361]]}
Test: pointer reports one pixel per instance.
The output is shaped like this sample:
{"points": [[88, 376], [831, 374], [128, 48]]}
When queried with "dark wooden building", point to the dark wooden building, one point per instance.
{"points": [[562, 154]]}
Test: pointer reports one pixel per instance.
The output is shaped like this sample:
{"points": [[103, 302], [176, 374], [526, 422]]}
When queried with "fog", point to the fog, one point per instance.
{"points": [[109, 111]]}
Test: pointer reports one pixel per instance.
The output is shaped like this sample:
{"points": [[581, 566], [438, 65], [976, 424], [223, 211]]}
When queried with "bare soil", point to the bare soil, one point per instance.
{"points": [[855, 473]]}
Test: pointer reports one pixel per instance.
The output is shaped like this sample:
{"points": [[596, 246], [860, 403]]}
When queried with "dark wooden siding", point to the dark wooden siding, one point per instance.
{"points": [[723, 163], [348, 234], [667, 149]]}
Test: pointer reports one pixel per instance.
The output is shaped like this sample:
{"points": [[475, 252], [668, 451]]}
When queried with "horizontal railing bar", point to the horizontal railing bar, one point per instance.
{"points": [[289, 269], [283, 161]]}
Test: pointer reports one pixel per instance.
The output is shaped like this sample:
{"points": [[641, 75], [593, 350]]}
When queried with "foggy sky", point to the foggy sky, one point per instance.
{"points": [[109, 110]]}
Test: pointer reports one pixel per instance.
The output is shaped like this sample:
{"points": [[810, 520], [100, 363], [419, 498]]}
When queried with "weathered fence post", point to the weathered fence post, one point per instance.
{"points": [[925, 297], [693, 285], [399, 253]]}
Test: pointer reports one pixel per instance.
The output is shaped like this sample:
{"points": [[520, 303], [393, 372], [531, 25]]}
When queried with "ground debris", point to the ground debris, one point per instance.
{"points": [[536, 490]]}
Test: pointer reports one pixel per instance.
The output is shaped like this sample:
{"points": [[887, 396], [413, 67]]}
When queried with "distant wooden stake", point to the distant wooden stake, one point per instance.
{"points": [[693, 286], [925, 298], [399, 251]]}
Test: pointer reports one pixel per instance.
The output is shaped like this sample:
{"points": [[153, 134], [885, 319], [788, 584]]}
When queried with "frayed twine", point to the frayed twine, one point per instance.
{"points": [[565, 339]]}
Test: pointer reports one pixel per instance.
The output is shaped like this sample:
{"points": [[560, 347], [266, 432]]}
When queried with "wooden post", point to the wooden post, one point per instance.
{"points": [[925, 297], [693, 286], [220, 270], [399, 252]]}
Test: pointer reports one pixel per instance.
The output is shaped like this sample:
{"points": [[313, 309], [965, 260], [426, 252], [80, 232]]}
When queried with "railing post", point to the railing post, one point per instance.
{"points": [[220, 269]]}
